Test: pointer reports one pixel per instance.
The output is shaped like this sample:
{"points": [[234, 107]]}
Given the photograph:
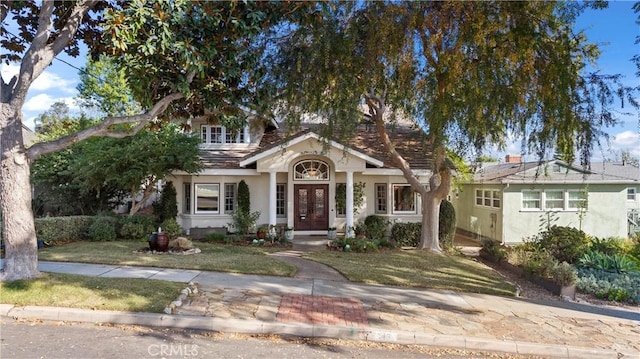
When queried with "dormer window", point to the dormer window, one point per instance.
{"points": [[221, 135]]}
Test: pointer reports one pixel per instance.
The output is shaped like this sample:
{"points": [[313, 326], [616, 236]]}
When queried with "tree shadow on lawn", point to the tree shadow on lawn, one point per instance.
{"points": [[98, 293]]}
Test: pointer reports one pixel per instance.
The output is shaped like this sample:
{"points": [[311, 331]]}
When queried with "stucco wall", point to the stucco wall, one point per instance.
{"points": [[606, 215]]}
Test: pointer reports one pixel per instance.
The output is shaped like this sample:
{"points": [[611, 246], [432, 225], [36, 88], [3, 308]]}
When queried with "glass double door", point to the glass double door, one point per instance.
{"points": [[311, 207]]}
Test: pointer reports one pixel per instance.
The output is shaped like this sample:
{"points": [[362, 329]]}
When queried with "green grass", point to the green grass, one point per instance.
{"points": [[214, 257], [415, 268], [76, 291]]}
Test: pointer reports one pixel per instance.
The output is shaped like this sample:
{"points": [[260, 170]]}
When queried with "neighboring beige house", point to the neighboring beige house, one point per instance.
{"points": [[512, 201], [293, 179]]}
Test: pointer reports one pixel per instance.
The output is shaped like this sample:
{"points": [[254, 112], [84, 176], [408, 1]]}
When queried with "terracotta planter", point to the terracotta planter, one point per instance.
{"points": [[163, 242]]}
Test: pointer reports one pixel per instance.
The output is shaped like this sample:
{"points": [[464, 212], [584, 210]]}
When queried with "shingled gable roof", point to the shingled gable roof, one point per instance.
{"points": [[535, 172], [409, 143]]}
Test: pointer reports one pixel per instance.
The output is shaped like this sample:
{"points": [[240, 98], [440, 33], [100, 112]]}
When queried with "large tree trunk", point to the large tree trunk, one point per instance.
{"points": [[18, 229], [430, 220]]}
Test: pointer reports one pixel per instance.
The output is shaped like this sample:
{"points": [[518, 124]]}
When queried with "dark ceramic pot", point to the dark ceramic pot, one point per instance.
{"points": [[163, 242]]}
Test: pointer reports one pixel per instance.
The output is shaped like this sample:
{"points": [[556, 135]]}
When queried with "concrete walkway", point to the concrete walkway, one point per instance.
{"points": [[321, 303]]}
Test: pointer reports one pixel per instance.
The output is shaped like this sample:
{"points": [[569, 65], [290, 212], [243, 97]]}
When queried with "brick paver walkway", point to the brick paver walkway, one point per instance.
{"points": [[302, 308]]}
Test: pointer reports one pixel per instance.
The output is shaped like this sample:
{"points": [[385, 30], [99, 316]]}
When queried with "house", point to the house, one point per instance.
{"points": [[296, 179], [511, 201]]}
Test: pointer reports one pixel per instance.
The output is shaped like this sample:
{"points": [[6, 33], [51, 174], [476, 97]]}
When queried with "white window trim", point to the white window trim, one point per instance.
{"points": [[543, 201], [393, 199], [635, 194], [207, 142], [284, 191], [195, 199], [386, 198], [491, 198]]}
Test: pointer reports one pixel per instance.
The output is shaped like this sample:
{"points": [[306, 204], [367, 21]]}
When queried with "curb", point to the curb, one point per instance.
{"points": [[307, 330]]}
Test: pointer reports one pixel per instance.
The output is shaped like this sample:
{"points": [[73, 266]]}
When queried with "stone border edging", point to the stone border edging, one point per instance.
{"points": [[305, 330]]}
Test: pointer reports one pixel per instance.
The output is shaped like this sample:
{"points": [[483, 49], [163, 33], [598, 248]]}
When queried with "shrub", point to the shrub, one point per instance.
{"points": [[608, 246], [447, 224], [171, 227], [167, 206], [406, 234], [244, 199], [375, 227], [540, 264], [242, 221], [103, 229], [492, 250], [55, 229], [565, 244], [611, 286], [216, 237], [137, 227], [354, 244], [521, 253], [564, 274]]}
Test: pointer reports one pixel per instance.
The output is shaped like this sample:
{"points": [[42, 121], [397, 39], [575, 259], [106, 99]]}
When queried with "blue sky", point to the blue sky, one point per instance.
{"points": [[614, 29]]}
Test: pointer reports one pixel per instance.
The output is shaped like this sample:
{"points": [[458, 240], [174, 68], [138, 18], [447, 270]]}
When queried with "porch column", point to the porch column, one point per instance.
{"points": [[272, 198], [349, 206]]}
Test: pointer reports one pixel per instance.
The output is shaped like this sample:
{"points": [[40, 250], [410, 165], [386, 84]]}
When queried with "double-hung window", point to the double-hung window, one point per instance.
{"points": [[229, 197], [554, 200], [631, 194], [531, 200], [281, 200], [381, 198]]}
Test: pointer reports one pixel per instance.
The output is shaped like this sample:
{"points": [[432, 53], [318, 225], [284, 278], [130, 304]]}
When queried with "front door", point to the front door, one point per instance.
{"points": [[311, 207]]}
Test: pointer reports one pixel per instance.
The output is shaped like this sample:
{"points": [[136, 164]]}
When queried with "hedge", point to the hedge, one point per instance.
{"points": [[55, 229]]}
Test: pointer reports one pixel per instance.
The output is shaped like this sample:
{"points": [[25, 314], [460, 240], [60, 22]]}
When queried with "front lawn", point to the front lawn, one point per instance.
{"points": [[98, 293], [415, 268], [214, 257]]}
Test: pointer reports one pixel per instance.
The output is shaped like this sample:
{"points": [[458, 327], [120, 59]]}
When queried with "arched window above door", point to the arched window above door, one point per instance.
{"points": [[311, 170]]}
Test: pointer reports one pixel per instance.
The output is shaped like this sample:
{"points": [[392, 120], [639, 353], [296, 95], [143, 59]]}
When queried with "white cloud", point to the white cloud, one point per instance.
{"points": [[626, 141], [46, 81], [8, 71], [42, 102]]}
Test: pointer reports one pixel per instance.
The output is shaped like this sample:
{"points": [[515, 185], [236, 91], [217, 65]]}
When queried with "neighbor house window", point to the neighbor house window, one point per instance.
{"points": [[381, 198], [207, 198], [577, 200], [488, 198], [229, 197], [531, 200], [631, 194], [281, 200], [554, 200], [404, 198], [186, 205], [221, 135]]}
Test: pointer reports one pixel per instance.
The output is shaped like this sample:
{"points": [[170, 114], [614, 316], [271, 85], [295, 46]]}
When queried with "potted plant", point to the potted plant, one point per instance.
{"points": [[262, 232], [331, 233], [288, 233]]}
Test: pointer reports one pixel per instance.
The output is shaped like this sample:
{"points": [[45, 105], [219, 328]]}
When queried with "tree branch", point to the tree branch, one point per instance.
{"points": [[376, 109], [39, 55], [103, 129], [5, 6]]}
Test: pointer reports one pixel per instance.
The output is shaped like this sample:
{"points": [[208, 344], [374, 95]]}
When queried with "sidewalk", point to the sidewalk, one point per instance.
{"points": [[313, 307]]}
